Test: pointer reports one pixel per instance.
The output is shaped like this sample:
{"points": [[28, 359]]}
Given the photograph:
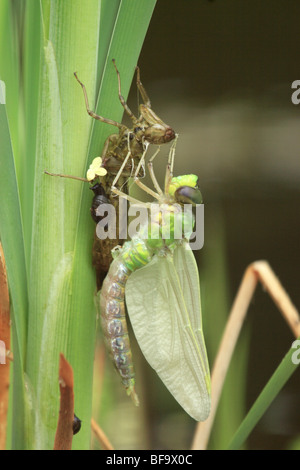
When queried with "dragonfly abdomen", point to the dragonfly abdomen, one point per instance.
{"points": [[114, 325], [134, 254], [112, 304]]}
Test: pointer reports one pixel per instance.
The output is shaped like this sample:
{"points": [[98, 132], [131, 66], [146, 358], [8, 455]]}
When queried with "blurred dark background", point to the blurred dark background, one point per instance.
{"points": [[220, 73]]}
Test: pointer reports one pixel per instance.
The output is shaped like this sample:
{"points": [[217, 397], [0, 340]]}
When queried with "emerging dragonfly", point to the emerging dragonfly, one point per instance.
{"points": [[160, 279], [122, 156]]}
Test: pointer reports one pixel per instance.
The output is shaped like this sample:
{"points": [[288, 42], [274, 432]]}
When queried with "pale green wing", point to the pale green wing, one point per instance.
{"points": [[164, 309], [187, 270]]}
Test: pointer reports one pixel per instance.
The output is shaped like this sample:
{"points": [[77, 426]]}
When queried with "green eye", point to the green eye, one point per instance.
{"points": [[188, 195]]}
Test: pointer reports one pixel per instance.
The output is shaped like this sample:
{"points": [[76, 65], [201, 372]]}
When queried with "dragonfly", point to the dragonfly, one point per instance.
{"points": [[122, 157], [158, 281], [121, 154]]}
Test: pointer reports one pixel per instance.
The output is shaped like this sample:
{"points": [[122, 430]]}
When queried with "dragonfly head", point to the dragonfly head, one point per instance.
{"points": [[159, 134], [155, 130], [184, 189]]}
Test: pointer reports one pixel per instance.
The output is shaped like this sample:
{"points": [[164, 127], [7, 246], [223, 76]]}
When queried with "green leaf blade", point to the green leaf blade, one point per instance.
{"points": [[11, 235], [283, 372]]}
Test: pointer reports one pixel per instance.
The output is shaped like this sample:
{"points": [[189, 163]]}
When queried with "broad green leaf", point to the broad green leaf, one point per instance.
{"points": [[61, 315], [31, 54], [62, 139], [9, 72], [56, 135]]}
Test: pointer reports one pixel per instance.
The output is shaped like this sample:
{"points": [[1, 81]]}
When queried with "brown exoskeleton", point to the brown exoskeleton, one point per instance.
{"points": [[122, 156]]}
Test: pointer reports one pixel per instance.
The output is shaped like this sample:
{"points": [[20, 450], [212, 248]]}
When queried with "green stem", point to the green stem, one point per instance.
{"points": [[283, 372]]}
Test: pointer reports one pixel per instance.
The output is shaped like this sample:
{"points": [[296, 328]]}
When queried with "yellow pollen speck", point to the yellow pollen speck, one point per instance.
{"points": [[95, 169]]}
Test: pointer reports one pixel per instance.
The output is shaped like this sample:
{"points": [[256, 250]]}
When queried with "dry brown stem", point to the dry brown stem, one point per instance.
{"points": [[4, 346], [64, 431], [257, 271], [100, 435]]}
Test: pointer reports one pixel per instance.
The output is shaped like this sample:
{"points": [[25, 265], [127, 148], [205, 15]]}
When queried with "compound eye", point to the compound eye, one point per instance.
{"points": [[188, 195]]}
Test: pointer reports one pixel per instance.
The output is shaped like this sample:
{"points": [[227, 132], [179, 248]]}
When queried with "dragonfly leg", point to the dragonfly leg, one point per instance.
{"points": [[146, 189], [117, 191], [152, 175], [121, 169], [114, 183], [67, 176], [142, 161], [141, 88], [92, 113], [112, 140], [121, 98], [170, 165], [137, 179], [130, 198]]}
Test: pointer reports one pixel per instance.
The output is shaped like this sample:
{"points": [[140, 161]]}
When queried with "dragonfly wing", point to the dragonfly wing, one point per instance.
{"points": [[159, 301], [187, 270]]}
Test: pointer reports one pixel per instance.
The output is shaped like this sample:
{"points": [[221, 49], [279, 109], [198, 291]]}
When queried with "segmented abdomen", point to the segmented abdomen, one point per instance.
{"points": [[113, 321], [112, 305], [133, 255]]}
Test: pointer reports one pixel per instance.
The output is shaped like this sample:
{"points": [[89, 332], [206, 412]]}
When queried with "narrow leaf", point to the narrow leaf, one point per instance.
{"points": [[283, 372]]}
